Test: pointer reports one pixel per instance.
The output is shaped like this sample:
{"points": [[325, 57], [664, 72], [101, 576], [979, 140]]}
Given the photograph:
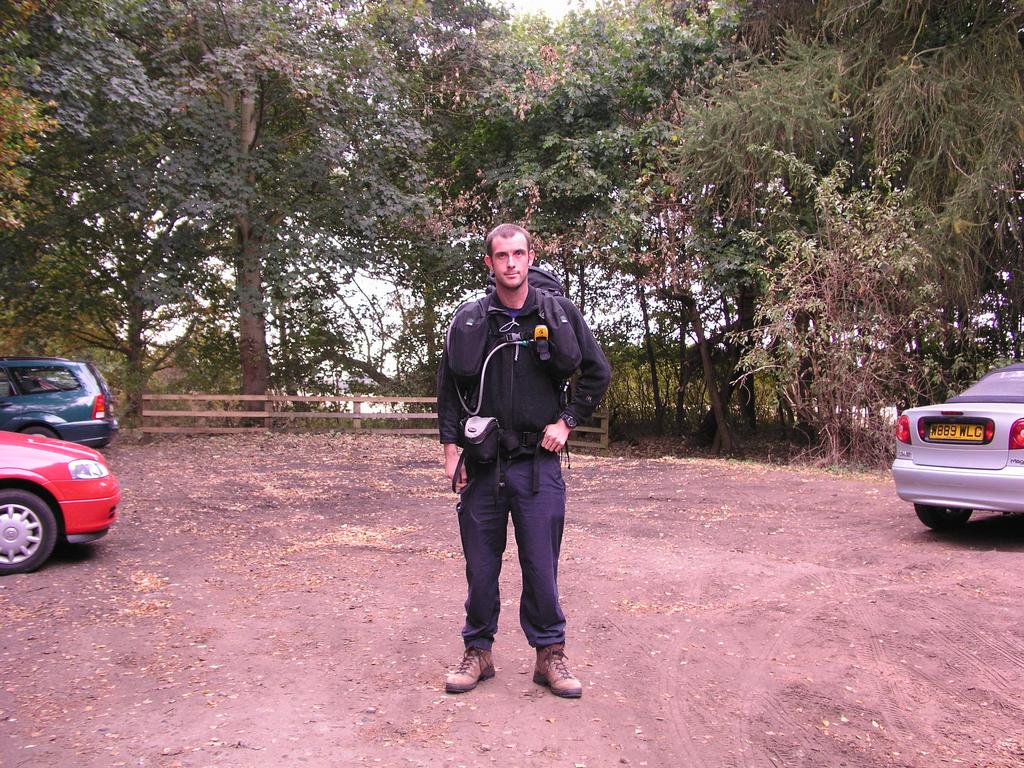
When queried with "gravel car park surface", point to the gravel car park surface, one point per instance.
{"points": [[295, 600]]}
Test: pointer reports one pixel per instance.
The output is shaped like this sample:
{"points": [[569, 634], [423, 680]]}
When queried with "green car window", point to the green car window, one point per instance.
{"points": [[37, 379]]}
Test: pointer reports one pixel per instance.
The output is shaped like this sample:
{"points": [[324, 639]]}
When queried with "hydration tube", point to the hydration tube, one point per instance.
{"points": [[483, 371]]}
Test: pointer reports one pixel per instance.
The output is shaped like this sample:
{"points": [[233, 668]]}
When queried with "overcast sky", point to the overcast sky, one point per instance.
{"points": [[553, 9]]}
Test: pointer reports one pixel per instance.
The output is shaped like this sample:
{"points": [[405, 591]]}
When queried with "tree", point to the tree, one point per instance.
{"points": [[430, 259], [109, 262], [22, 118], [850, 282], [295, 119], [937, 84], [568, 124], [286, 157]]}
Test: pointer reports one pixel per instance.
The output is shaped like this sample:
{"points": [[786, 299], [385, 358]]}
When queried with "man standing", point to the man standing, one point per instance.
{"points": [[520, 386]]}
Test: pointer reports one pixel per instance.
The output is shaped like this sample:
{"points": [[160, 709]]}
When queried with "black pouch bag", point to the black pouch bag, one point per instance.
{"points": [[481, 439]]}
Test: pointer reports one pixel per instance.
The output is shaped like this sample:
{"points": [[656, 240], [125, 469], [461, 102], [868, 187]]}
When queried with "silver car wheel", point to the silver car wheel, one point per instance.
{"points": [[21, 533], [28, 531]]}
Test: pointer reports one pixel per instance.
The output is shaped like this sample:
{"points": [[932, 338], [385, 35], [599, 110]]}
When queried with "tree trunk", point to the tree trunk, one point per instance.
{"points": [[746, 378], [709, 426], [135, 353], [430, 326], [252, 321], [581, 276], [241, 109], [684, 373], [803, 408], [652, 361], [252, 318], [723, 442]]}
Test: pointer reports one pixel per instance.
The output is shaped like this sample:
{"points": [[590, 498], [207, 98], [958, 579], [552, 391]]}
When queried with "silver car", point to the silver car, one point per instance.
{"points": [[965, 454]]}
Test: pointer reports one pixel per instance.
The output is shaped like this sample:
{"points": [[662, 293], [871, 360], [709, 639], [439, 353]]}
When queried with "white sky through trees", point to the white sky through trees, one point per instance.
{"points": [[553, 9]]}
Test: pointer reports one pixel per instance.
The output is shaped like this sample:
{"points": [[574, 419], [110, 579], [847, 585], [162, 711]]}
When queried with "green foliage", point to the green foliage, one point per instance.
{"points": [[795, 105], [304, 139], [843, 82], [847, 311], [223, 194], [23, 119], [110, 262], [265, 143], [206, 361], [940, 83]]}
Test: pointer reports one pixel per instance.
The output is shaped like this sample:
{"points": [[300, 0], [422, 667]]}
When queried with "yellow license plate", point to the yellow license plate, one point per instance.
{"points": [[957, 433]]}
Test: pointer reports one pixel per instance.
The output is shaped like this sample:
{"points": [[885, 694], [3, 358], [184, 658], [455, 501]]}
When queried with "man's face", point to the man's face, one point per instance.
{"points": [[510, 261]]}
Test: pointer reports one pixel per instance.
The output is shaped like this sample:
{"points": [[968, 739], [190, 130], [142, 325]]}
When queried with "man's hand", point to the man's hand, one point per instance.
{"points": [[451, 460], [555, 436]]}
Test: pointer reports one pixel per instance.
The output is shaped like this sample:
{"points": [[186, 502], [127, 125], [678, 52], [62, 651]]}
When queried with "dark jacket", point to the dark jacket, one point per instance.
{"points": [[519, 390]]}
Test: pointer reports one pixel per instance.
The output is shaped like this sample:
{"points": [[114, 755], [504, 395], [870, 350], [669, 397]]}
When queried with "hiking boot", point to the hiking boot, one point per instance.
{"points": [[553, 671], [476, 665]]}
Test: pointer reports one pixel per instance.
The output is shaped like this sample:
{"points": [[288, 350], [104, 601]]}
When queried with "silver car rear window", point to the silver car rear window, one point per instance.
{"points": [[1005, 383]]}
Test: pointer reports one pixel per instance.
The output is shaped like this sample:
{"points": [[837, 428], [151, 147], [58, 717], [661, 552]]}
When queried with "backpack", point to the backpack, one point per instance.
{"points": [[467, 338]]}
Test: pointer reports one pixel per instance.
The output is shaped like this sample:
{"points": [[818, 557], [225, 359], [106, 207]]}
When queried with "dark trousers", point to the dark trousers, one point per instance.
{"points": [[538, 519]]}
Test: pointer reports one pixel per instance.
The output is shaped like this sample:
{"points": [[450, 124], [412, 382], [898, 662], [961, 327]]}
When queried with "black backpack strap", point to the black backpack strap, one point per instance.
{"points": [[535, 470], [458, 468], [564, 347], [466, 341]]}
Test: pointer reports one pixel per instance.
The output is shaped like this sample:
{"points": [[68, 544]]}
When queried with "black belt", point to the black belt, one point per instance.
{"points": [[529, 440], [529, 447]]}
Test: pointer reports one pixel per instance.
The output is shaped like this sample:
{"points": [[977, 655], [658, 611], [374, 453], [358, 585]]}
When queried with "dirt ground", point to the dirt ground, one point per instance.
{"points": [[295, 600]]}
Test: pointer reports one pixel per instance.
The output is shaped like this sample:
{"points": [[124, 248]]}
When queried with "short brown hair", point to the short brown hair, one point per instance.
{"points": [[506, 231]]}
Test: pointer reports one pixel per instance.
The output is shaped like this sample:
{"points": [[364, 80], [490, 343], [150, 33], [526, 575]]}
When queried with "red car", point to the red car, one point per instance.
{"points": [[50, 489]]}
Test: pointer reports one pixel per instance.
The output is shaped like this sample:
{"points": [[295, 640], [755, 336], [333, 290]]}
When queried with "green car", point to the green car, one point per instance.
{"points": [[59, 398]]}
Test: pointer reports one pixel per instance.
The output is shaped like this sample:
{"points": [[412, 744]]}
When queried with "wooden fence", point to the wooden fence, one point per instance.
{"points": [[196, 414]]}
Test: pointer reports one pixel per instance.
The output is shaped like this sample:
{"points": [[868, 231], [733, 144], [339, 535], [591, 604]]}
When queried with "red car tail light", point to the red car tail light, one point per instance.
{"points": [[99, 407], [903, 429], [1017, 435]]}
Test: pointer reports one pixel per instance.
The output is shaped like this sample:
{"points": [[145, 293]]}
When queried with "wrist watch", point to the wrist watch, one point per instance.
{"points": [[570, 421]]}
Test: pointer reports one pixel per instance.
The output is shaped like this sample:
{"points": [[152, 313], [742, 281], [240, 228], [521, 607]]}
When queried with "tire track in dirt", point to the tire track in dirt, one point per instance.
{"points": [[676, 714], [955, 675], [758, 697], [974, 655], [768, 703], [660, 501], [773, 711], [892, 698], [680, 750], [830, 612], [954, 630], [636, 622], [695, 517]]}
